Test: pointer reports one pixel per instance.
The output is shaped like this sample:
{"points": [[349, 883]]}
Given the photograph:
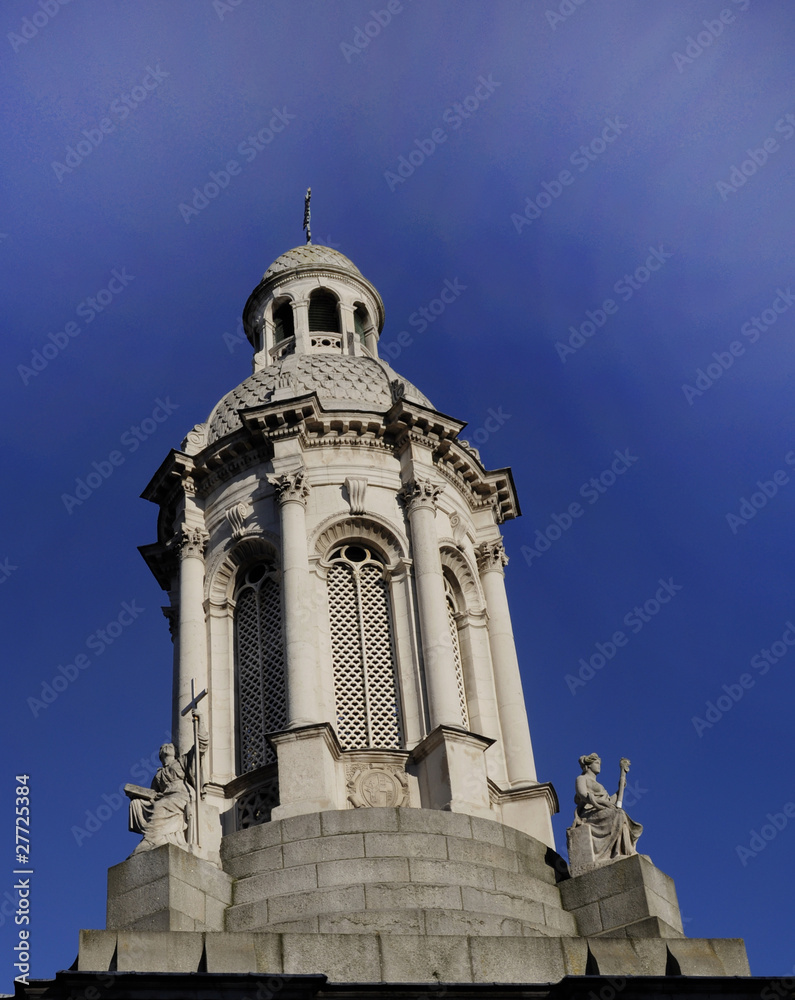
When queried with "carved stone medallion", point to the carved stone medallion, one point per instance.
{"points": [[377, 785]]}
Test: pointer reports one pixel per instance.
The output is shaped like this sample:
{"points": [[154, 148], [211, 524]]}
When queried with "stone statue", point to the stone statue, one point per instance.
{"points": [[601, 832], [167, 813]]}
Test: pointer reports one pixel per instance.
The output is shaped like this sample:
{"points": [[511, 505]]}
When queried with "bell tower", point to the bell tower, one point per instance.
{"points": [[333, 555], [352, 795]]}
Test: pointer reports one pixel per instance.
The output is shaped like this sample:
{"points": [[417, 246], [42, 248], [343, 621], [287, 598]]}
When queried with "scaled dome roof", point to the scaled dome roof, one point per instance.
{"points": [[355, 382], [310, 254]]}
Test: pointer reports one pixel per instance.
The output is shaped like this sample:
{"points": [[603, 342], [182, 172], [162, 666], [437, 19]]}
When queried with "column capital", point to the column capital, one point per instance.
{"points": [[491, 556], [191, 542], [420, 492], [290, 487]]}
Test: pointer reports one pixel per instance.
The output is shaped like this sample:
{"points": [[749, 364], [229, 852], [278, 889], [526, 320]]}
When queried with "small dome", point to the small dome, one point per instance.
{"points": [[339, 380], [310, 255]]}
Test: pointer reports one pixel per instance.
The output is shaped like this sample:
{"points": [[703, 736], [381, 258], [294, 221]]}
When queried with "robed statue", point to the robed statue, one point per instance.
{"points": [[168, 812], [611, 834]]}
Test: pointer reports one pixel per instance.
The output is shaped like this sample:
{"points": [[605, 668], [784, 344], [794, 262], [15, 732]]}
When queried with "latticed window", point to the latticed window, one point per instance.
{"points": [[261, 701], [459, 668], [368, 714]]}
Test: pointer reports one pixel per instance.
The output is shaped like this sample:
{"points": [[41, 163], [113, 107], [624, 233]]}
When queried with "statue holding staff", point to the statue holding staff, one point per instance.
{"points": [[613, 834]]}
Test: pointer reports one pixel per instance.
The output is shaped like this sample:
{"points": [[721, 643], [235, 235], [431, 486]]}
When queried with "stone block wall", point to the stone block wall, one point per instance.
{"points": [[401, 871]]}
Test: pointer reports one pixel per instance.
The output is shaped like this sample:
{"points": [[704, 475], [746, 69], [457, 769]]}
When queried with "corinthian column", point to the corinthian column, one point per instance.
{"points": [[507, 679], [292, 493], [191, 543], [419, 496]]}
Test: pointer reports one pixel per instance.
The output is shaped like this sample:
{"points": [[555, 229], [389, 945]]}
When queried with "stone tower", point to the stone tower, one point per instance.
{"points": [[333, 554], [353, 792]]}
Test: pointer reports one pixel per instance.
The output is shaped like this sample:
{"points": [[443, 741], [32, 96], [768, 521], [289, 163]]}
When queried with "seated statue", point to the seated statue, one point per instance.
{"points": [[165, 814], [613, 834]]}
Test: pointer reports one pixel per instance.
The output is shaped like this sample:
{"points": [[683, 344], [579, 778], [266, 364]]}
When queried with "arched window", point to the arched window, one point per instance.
{"points": [[283, 325], [368, 713], [261, 700], [323, 314], [452, 613], [361, 321]]}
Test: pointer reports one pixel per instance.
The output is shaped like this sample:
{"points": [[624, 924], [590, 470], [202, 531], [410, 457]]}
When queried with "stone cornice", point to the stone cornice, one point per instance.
{"points": [[175, 468], [526, 792], [162, 561], [315, 426]]}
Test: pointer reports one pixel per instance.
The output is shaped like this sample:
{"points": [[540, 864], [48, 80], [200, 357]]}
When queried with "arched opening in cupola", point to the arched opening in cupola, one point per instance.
{"points": [[323, 312], [361, 322], [283, 323]]}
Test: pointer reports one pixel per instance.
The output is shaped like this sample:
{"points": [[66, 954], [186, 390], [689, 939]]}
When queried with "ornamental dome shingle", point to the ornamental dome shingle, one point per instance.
{"points": [[310, 254], [340, 381]]}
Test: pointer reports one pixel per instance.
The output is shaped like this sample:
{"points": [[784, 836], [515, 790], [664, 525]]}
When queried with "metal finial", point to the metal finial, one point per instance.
{"points": [[307, 215]]}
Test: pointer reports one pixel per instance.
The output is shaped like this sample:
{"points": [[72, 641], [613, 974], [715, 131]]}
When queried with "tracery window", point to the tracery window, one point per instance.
{"points": [[261, 696], [365, 689], [459, 666]]}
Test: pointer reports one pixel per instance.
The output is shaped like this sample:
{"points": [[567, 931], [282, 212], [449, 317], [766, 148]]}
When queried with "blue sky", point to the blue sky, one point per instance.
{"points": [[609, 188]]}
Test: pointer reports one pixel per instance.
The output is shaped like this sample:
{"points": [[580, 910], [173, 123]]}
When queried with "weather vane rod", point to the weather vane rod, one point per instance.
{"points": [[307, 199]]}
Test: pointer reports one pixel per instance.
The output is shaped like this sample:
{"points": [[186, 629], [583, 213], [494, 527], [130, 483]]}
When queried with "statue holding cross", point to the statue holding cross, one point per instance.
{"points": [[168, 812]]}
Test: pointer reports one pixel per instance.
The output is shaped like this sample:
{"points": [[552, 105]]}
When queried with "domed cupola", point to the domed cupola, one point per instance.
{"points": [[312, 300]]}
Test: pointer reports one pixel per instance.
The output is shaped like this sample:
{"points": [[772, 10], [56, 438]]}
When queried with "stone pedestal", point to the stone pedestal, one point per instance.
{"points": [[395, 895], [626, 898], [309, 779], [452, 771], [167, 889], [529, 807]]}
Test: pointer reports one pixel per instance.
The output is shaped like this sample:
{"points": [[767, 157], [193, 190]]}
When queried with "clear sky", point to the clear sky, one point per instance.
{"points": [[609, 189]]}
